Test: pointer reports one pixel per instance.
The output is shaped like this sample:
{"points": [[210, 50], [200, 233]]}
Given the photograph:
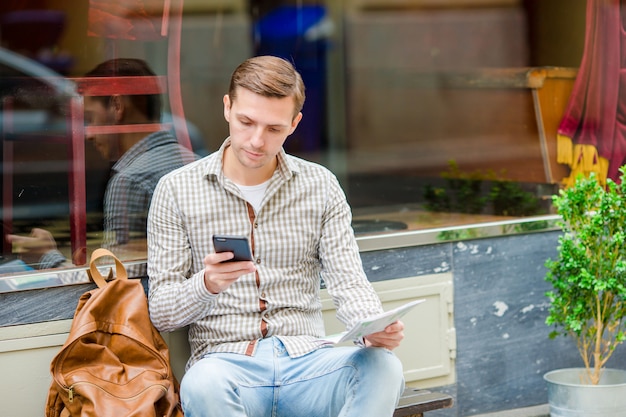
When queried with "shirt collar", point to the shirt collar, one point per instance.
{"points": [[286, 168], [146, 144]]}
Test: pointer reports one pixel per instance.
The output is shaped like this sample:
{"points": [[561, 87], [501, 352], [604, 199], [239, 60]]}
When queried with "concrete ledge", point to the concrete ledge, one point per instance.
{"points": [[536, 411]]}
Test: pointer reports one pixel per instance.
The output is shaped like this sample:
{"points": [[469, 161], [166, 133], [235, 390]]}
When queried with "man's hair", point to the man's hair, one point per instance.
{"points": [[149, 105], [268, 76]]}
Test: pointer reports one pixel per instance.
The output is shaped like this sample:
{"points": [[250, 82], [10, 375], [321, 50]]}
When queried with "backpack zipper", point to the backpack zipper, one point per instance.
{"points": [[71, 390]]}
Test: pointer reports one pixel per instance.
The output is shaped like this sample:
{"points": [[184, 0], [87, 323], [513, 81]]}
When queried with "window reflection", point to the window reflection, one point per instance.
{"points": [[432, 113], [120, 101], [36, 107]]}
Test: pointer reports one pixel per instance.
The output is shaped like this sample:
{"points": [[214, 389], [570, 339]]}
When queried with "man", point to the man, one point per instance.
{"points": [[139, 161], [255, 327]]}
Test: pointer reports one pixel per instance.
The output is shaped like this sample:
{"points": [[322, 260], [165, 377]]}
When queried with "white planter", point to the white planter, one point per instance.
{"points": [[569, 397]]}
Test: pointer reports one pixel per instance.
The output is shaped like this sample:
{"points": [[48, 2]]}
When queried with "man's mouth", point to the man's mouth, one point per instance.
{"points": [[253, 154]]}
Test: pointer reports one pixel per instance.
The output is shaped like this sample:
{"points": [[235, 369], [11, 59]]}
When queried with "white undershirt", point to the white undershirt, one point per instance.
{"points": [[254, 193]]}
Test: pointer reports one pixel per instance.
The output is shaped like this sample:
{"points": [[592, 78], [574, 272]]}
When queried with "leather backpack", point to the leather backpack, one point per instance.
{"points": [[114, 361]]}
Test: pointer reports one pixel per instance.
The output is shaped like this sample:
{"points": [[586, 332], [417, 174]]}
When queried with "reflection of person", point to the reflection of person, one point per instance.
{"points": [[255, 327], [139, 161]]}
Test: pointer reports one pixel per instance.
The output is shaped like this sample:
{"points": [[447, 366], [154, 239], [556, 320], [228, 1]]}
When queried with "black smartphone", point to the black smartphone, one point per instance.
{"points": [[238, 245]]}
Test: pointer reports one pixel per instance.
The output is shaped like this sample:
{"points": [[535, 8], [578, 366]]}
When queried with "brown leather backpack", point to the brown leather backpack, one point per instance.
{"points": [[114, 361]]}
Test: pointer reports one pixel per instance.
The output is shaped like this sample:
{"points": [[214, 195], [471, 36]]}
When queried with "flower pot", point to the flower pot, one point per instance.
{"points": [[570, 396]]}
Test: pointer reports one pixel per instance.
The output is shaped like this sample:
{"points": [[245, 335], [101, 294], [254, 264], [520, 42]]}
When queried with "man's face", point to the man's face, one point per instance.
{"points": [[258, 127], [98, 114]]}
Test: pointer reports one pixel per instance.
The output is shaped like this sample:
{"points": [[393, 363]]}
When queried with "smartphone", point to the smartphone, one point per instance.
{"points": [[238, 245]]}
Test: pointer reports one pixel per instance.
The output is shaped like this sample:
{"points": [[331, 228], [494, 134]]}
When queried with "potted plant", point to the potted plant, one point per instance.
{"points": [[588, 299]]}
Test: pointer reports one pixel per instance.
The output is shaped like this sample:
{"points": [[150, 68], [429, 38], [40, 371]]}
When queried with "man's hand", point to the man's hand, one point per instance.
{"points": [[32, 248], [219, 275], [389, 338]]}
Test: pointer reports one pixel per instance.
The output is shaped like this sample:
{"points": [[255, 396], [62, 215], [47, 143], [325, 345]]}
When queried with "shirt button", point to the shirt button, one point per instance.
{"points": [[262, 295], [258, 260], [256, 225]]}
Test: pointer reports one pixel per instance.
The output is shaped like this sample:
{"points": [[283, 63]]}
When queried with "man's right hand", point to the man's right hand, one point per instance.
{"points": [[32, 248], [219, 275]]}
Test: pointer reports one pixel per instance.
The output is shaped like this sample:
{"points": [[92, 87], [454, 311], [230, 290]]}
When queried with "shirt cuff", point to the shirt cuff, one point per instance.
{"points": [[51, 259], [202, 292]]}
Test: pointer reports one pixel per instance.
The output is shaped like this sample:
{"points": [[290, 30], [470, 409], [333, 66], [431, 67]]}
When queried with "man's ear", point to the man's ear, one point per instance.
{"points": [[117, 106], [294, 122], [227, 105]]}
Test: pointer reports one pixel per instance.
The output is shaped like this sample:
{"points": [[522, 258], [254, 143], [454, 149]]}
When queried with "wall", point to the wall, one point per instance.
{"points": [[502, 343], [500, 353], [503, 348]]}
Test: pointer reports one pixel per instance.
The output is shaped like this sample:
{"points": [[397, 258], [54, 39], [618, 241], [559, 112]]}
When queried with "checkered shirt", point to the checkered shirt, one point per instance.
{"points": [[302, 234]]}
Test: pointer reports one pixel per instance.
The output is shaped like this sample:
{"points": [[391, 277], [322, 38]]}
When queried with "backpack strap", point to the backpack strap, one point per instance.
{"points": [[94, 273]]}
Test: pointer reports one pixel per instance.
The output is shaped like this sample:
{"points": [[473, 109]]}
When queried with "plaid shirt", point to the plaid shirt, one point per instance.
{"points": [[127, 199], [301, 234], [133, 179]]}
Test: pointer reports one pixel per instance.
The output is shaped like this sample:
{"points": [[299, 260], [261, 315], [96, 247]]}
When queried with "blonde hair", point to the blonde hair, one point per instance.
{"points": [[268, 76]]}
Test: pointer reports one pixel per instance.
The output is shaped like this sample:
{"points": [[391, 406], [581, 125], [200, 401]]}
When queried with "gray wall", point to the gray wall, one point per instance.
{"points": [[503, 348]]}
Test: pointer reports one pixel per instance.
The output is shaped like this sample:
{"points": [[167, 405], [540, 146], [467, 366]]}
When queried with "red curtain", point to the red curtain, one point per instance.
{"points": [[592, 133]]}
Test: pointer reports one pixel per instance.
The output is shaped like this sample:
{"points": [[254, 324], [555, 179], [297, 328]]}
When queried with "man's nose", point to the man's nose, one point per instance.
{"points": [[257, 137]]}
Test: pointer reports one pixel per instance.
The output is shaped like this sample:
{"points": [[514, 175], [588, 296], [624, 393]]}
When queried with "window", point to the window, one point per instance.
{"points": [[439, 117]]}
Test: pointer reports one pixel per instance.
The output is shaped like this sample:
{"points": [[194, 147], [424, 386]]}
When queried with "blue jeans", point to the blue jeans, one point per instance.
{"points": [[331, 381]]}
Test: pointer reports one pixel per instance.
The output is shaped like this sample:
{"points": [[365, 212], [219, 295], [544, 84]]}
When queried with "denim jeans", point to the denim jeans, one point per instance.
{"points": [[331, 381]]}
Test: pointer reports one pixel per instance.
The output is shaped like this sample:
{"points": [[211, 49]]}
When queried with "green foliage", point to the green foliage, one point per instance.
{"points": [[473, 192], [463, 193], [589, 275], [509, 199]]}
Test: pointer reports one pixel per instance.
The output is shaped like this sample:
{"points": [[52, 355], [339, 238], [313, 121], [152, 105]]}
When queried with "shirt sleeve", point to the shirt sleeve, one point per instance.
{"points": [[342, 269], [125, 204], [176, 296], [52, 259]]}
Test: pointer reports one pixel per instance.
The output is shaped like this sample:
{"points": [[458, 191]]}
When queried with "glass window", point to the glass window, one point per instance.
{"points": [[439, 117]]}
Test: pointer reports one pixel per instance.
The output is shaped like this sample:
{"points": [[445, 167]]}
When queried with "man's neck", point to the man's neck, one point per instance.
{"points": [[128, 140], [242, 175]]}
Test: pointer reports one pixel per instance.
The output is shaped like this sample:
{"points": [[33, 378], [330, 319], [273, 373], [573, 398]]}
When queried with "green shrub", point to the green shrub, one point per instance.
{"points": [[588, 277]]}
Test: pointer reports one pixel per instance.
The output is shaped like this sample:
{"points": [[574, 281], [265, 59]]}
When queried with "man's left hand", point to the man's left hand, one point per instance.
{"points": [[389, 338]]}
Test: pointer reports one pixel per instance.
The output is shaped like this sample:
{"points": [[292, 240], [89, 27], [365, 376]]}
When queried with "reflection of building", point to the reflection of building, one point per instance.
{"points": [[408, 98]]}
